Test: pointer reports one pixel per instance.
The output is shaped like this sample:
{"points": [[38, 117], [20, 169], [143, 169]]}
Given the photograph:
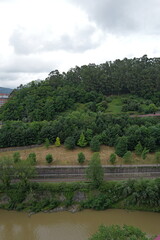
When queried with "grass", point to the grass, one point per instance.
{"points": [[62, 156], [115, 106]]}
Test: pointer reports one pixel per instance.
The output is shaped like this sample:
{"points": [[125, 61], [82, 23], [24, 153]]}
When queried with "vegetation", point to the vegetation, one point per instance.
{"points": [[157, 157], [127, 158], [6, 171], [81, 158], [115, 232], [144, 153], [82, 141], [16, 157], [131, 194], [57, 142], [112, 158], [32, 158], [95, 144], [95, 171], [49, 158], [138, 149], [70, 143], [47, 143], [121, 146]]}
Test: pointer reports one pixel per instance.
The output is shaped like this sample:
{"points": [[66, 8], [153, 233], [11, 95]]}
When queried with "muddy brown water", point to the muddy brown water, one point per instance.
{"points": [[71, 226]]}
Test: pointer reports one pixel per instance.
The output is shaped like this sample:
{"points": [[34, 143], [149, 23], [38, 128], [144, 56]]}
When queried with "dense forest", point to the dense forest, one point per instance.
{"points": [[69, 104]]}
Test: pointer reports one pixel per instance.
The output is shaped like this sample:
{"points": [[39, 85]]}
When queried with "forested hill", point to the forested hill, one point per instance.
{"points": [[88, 85]]}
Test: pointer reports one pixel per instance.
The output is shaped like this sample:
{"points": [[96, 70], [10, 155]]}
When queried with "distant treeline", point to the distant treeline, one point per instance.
{"points": [[89, 84]]}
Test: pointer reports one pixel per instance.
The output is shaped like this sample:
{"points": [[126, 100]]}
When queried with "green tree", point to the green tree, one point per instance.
{"points": [[81, 158], [138, 149], [47, 143], [49, 158], [121, 146], [16, 157], [127, 158], [82, 141], [112, 158], [69, 143], [57, 142], [95, 172], [95, 144], [6, 171]]}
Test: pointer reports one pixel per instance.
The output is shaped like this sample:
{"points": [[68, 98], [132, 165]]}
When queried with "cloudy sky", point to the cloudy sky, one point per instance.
{"points": [[39, 36]]}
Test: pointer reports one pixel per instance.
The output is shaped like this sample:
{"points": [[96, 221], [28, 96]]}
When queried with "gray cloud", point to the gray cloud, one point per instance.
{"points": [[123, 16], [80, 41], [26, 65]]}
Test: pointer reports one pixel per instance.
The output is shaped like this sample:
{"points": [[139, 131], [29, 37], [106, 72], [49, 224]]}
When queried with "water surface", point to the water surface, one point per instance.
{"points": [[71, 226]]}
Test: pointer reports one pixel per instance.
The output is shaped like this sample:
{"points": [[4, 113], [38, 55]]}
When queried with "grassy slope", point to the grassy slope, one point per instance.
{"points": [[63, 156], [115, 106]]}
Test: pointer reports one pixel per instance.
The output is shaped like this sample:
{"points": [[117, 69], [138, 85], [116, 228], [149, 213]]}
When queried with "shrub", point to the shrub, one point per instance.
{"points": [[57, 142], [49, 158], [95, 144], [32, 158], [82, 141], [81, 157], [112, 158], [127, 157], [138, 149], [47, 143], [144, 153], [16, 157], [69, 143]]}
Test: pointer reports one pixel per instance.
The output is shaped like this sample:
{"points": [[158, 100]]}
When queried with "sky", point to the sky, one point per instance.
{"points": [[39, 36]]}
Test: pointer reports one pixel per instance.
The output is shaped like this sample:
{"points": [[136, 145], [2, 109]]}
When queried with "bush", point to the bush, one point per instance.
{"points": [[112, 158], [57, 142], [16, 157], [144, 153], [95, 144], [32, 158], [127, 157], [138, 149], [81, 157], [47, 143], [82, 141], [69, 143], [49, 158]]}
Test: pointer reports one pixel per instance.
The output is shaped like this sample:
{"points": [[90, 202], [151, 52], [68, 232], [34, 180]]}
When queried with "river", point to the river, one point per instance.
{"points": [[71, 226]]}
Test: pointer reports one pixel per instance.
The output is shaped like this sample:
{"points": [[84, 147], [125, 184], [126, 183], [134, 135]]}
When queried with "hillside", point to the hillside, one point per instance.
{"points": [[93, 100], [88, 88]]}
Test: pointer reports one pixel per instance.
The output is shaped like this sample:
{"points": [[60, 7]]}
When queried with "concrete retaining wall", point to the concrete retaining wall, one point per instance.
{"points": [[110, 172]]}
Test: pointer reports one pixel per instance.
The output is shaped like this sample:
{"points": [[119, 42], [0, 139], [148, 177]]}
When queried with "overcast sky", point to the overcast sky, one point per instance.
{"points": [[39, 36]]}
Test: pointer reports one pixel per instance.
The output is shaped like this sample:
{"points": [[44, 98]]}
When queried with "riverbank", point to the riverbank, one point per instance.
{"points": [[143, 194]]}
